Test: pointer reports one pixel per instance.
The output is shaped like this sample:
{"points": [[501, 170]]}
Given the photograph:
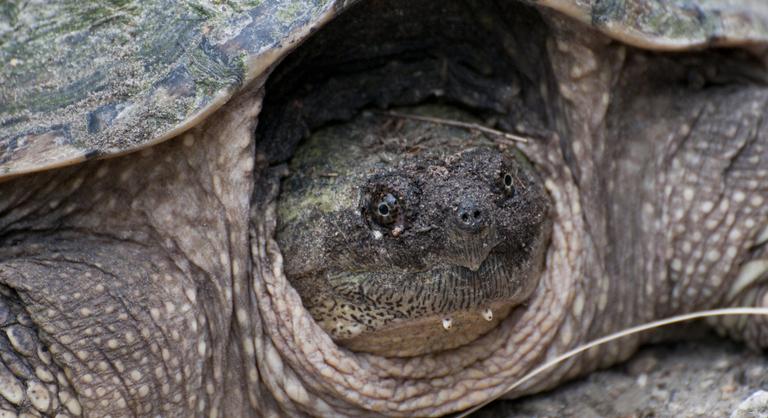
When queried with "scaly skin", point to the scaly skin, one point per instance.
{"points": [[156, 283]]}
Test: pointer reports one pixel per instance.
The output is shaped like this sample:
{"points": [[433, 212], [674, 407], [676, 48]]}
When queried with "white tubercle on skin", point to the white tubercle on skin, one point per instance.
{"points": [[447, 323], [488, 314], [377, 235]]}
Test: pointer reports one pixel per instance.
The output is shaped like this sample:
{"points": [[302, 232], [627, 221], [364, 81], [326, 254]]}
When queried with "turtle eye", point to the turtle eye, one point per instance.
{"points": [[385, 209], [508, 183]]}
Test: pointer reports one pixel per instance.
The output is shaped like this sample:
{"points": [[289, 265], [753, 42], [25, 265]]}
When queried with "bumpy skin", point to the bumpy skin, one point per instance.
{"points": [[462, 239], [156, 284]]}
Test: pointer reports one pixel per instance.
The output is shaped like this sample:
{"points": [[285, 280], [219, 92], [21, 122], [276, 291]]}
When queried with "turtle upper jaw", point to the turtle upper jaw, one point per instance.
{"points": [[473, 264], [476, 276], [470, 248], [470, 255]]}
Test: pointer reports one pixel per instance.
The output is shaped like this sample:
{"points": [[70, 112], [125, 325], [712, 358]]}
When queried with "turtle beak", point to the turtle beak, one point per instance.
{"points": [[472, 234], [473, 263], [473, 253]]}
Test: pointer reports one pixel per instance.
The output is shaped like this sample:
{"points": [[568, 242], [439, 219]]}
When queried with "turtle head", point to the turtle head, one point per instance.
{"points": [[419, 251]]}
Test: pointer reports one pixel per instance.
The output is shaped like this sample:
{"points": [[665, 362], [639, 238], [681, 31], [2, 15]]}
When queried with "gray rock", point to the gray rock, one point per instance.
{"points": [[755, 406]]}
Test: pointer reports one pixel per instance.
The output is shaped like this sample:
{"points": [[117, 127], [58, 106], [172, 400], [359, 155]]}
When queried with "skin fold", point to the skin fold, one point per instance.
{"points": [[154, 283]]}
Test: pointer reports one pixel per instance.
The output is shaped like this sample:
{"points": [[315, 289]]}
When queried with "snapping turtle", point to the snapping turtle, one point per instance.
{"points": [[153, 283]]}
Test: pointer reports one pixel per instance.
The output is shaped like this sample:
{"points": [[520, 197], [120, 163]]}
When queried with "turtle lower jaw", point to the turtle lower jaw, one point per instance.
{"points": [[413, 313], [429, 334]]}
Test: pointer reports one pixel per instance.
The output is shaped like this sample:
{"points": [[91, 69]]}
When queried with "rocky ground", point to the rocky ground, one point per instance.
{"points": [[709, 377]]}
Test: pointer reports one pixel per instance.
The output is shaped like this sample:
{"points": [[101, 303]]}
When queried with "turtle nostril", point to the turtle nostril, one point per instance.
{"points": [[469, 216]]}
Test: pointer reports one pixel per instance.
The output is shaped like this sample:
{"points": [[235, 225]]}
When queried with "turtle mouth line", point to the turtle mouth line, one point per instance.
{"points": [[441, 289]]}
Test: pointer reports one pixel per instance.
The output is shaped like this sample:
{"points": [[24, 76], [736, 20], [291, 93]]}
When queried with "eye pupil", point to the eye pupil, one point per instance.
{"points": [[383, 209], [507, 180]]}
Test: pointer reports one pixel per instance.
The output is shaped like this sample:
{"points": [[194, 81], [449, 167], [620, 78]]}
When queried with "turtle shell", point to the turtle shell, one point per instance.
{"points": [[672, 24], [81, 80]]}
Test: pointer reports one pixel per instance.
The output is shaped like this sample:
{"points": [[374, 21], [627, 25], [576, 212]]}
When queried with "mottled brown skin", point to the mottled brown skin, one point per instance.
{"points": [[391, 237], [152, 283]]}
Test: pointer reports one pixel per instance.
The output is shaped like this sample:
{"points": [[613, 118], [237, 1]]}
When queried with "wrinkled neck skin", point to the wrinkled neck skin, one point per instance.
{"points": [[220, 331], [612, 261], [570, 305]]}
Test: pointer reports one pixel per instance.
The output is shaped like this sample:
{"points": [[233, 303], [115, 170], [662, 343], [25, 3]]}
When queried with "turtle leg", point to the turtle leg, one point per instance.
{"points": [[30, 381], [125, 283], [134, 273], [711, 214], [103, 324]]}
